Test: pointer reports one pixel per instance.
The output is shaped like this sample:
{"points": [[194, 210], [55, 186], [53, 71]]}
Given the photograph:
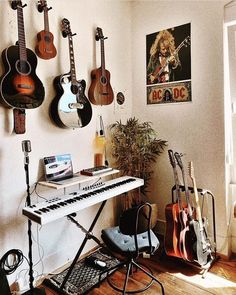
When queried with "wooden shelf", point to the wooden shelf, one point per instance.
{"points": [[81, 179]]}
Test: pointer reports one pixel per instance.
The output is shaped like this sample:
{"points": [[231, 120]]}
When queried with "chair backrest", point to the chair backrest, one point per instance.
{"points": [[135, 221]]}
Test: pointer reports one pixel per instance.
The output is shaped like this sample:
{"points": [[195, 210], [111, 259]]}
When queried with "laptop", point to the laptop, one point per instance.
{"points": [[58, 169]]}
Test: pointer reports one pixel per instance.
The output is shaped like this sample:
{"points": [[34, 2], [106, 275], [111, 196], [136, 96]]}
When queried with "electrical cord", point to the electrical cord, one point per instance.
{"points": [[11, 260]]}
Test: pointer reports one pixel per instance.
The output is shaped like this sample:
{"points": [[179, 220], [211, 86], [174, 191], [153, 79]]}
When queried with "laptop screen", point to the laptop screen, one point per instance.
{"points": [[58, 167]]}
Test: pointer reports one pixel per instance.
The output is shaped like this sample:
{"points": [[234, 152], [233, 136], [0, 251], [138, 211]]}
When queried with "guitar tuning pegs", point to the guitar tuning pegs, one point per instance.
{"points": [[73, 34], [23, 6], [64, 34], [40, 8], [49, 8], [96, 37]]}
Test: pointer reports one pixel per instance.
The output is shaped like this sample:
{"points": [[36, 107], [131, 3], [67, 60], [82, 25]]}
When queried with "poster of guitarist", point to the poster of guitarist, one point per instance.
{"points": [[168, 60]]}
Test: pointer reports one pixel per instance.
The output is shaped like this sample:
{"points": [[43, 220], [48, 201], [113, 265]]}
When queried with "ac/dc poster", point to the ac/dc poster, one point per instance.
{"points": [[168, 60]]}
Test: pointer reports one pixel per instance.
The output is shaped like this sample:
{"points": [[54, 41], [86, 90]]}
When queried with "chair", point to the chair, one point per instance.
{"points": [[131, 238]]}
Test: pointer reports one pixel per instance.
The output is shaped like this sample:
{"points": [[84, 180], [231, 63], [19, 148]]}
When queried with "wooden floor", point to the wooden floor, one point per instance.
{"points": [[178, 278]]}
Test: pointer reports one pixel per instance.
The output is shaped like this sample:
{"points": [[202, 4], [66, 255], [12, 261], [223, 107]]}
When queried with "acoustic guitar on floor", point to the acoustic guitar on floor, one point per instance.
{"points": [[70, 108], [45, 48], [100, 91], [172, 211]]}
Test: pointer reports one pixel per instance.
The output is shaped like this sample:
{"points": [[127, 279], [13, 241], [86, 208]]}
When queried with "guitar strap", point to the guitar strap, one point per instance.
{"points": [[19, 121]]}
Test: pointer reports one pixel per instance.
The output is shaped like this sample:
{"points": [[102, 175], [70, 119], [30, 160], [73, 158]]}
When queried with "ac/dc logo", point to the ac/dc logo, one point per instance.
{"points": [[179, 92]]}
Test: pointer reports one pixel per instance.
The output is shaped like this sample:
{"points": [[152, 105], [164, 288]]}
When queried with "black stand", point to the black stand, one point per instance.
{"points": [[32, 291], [88, 236]]}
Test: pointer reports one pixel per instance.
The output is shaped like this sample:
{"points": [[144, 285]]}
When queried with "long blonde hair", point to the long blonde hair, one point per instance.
{"points": [[166, 38]]}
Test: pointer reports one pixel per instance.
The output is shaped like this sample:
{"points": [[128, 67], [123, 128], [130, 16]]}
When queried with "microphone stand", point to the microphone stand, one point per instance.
{"points": [[32, 291]]}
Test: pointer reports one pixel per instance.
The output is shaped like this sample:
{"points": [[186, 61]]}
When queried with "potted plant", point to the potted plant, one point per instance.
{"points": [[135, 148]]}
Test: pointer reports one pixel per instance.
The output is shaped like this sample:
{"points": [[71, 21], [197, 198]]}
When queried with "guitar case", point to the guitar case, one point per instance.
{"points": [[4, 286]]}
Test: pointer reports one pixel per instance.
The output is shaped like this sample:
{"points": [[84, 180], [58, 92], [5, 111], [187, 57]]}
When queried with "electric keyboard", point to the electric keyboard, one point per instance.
{"points": [[51, 210]]}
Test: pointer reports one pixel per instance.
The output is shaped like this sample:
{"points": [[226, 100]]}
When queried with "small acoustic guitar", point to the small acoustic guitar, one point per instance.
{"points": [[70, 108], [100, 91], [45, 48]]}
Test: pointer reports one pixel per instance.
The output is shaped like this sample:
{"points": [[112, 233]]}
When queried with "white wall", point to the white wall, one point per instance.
{"points": [[195, 129], [60, 240]]}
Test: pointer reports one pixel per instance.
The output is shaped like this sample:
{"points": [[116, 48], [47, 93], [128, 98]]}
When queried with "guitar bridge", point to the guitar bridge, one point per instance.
{"points": [[76, 105]]}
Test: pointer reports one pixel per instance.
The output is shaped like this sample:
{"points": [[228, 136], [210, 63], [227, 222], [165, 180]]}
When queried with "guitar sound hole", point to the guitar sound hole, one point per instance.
{"points": [[74, 89], [103, 80], [23, 67], [47, 39]]}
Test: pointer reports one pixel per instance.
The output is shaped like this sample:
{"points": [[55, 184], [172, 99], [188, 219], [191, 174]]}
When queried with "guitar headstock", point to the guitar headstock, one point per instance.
{"points": [[178, 159], [187, 41], [42, 4], [172, 158], [16, 3], [66, 30], [191, 170], [99, 34]]}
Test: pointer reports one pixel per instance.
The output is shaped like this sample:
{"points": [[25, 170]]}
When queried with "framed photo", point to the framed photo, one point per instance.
{"points": [[168, 65]]}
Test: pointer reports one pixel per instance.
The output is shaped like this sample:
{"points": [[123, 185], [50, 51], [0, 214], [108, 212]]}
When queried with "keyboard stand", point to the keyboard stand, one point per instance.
{"points": [[88, 235]]}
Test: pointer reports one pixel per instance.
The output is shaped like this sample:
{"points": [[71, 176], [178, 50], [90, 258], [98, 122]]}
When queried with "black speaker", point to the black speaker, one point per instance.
{"points": [[4, 286]]}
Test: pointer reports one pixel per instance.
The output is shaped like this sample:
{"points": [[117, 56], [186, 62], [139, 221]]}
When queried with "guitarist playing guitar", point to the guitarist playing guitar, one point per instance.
{"points": [[100, 91], [70, 108], [20, 87], [45, 48]]}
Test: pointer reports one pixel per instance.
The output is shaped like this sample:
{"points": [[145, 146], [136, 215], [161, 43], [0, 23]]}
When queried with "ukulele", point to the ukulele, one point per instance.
{"points": [[202, 245], [70, 108], [45, 48], [100, 91], [20, 87], [172, 210], [156, 76], [187, 235]]}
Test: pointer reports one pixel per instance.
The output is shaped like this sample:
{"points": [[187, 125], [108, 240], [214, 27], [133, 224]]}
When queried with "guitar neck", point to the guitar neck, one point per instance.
{"points": [[21, 33], [72, 60], [178, 194], [198, 209], [103, 57], [46, 22], [187, 193]]}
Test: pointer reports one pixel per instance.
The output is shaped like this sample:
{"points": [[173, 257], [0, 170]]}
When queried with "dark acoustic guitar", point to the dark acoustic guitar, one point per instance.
{"points": [[100, 91], [70, 108], [172, 210], [45, 48], [202, 245], [187, 236], [20, 87]]}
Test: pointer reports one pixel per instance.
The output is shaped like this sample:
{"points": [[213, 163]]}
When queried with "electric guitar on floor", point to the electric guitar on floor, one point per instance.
{"points": [[187, 236], [202, 245], [100, 91], [45, 48], [70, 108]]}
